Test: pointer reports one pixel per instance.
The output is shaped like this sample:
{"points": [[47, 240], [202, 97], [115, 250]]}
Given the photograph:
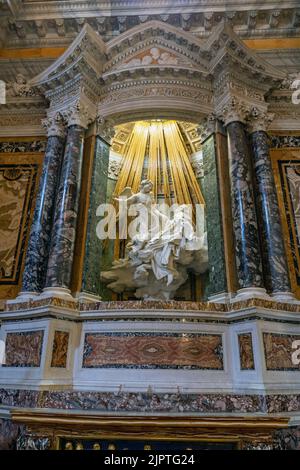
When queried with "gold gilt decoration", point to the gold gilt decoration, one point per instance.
{"points": [[156, 150]]}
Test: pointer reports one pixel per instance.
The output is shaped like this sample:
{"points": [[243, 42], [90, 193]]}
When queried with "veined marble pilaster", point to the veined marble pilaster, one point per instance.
{"points": [[40, 236], [273, 254], [64, 228], [217, 284], [94, 247], [247, 249]]}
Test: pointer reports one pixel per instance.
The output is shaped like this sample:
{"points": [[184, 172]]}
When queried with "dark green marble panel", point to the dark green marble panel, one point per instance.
{"points": [[216, 279], [93, 262]]}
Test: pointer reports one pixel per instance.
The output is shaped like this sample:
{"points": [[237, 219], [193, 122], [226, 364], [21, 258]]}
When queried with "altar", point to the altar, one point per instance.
{"points": [[152, 286]]}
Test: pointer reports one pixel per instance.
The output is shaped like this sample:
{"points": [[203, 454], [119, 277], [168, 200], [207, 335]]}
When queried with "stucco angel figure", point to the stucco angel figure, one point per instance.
{"points": [[160, 253]]}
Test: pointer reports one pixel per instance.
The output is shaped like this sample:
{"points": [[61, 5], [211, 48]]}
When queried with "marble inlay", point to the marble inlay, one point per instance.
{"points": [[289, 173], [26, 146], [247, 250], [150, 402], [60, 349], [188, 351], [65, 218], [34, 274], [246, 351], [9, 432], [289, 439], [17, 186], [24, 349], [278, 351], [280, 141], [94, 247], [275, 267], [210, 191]]}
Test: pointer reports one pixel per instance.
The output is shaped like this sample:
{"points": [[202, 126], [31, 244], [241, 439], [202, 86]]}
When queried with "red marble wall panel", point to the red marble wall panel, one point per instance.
{"points": [[199, 351], [24, 349], [278, 351], [246, 351], [60, 349]]}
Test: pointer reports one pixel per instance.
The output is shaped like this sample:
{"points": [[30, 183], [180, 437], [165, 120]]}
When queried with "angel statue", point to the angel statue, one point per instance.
{"points": [[159, 254]]}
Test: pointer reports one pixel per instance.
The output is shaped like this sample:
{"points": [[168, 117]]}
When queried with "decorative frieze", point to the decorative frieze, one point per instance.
{"points": [[246, 351]]}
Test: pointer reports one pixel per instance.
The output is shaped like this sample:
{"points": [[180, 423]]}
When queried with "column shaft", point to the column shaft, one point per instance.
{"points": [[40, 235], [64, 228], [247, 250], [273, 253]]}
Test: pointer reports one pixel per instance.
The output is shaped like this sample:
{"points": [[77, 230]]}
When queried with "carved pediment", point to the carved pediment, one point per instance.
{"points": [[154, 55]]}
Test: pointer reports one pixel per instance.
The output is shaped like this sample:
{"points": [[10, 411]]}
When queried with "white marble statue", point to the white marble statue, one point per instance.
{"points": [[160, 254]]}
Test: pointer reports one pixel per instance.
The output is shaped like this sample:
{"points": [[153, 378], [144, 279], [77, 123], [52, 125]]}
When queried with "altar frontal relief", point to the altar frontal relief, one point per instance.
{"points": [[156, 215]]}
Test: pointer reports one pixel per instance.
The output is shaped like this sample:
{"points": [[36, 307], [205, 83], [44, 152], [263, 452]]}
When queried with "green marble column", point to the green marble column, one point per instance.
{"points": [[94, 248], [216, 283]]}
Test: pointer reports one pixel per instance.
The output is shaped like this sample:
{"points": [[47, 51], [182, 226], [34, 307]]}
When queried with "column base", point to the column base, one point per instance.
{"points": [[284, 297], [61, 292], [23, 297], [87, 297], [220, 298], [250, 293]]}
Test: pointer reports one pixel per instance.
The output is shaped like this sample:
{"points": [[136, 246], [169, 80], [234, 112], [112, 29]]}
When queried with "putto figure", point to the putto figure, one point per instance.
{"points": [[162, 250]]}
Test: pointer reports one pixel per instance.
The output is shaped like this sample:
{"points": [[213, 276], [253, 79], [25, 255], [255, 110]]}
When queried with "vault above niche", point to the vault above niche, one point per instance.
{"points": [[189, 131]]}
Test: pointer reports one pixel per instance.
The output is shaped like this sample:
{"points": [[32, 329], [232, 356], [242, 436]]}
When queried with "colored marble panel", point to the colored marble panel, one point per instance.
{"points": [[289, 179], [60, 349], [94, 248], [152, 402], [9, 432], [66, 209], [24, 349], [210, 190], [247, 249], [282, 141], [278, 351], [35, 269], [188, 351], [17, 186], [275, 267], [22, 147], [246, 351]]}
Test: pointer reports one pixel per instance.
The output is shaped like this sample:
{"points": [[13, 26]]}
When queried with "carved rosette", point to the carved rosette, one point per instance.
{"points": [[78, 115], [105, 129], [54, 125], [259, 120]]}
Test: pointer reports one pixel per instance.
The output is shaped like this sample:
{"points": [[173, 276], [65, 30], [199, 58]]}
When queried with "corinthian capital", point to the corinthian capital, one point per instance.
{"points": [[258, 120], [105, 129], [78, 115], [54, 125], [207, 127], [234, 110]]}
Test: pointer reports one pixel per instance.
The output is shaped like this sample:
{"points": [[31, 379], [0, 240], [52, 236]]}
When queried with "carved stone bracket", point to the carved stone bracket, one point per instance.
{"points": [[258, 120]]}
